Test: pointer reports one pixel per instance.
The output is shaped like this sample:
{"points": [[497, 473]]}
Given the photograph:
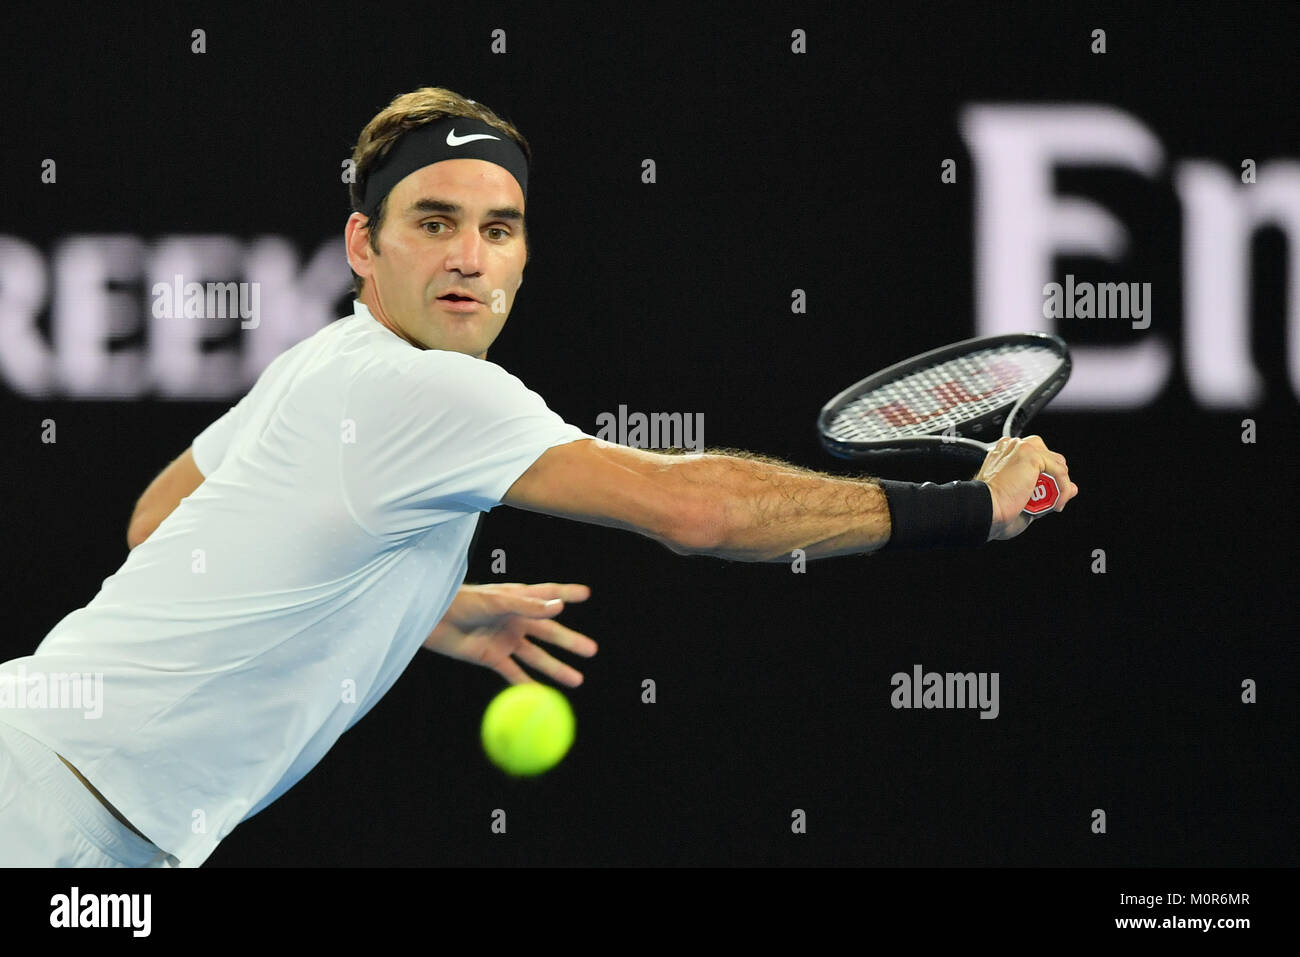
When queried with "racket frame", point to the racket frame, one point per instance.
{"points": [[973, 438]]}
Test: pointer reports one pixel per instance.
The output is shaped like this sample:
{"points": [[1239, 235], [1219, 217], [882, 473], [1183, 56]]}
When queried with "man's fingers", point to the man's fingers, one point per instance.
{"points": [[543, 601], [1053, 464], [1014, 466], [539, 660], [562, 637], [567, 592], [530, 607], [1001, 449], [1058, 470], [508, 669]]}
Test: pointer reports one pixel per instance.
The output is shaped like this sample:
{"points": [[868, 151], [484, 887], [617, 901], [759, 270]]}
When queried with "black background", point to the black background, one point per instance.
{"points": [[1118, 691]]}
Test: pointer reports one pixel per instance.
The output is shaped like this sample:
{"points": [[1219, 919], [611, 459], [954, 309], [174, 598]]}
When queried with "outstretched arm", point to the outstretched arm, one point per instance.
{"points": [[748, 507], [740, 506]]}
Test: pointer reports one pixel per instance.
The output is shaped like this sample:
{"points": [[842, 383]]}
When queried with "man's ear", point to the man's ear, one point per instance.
{"points": [[356, 238]]}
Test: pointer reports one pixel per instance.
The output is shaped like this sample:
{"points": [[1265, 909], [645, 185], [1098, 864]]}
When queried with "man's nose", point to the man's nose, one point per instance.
{"points": [[465, 253]]}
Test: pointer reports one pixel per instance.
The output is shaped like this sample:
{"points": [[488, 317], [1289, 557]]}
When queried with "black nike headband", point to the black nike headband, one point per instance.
{"points": [[452, 137]]}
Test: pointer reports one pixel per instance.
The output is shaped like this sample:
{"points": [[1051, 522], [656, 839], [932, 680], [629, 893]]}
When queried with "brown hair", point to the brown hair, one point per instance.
{"points": [[407, 112]]}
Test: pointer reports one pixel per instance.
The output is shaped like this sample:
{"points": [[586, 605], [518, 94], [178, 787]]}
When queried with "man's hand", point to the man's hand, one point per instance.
{"points": [[1011, 471], [487, 624]]}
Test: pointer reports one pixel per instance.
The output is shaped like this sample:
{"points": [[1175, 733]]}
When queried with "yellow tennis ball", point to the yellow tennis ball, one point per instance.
{"points": [[527, 729]]}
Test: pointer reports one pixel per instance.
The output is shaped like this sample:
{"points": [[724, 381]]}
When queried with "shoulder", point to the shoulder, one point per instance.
{"points": [[434, 368], [417, 378]]}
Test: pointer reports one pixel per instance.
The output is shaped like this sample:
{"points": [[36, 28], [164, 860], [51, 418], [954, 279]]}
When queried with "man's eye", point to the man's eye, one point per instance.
{"points": [[434, 223], [499, 229]]}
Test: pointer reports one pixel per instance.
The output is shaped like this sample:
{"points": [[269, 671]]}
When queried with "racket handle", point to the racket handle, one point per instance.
{"points": [[1043, 498]]}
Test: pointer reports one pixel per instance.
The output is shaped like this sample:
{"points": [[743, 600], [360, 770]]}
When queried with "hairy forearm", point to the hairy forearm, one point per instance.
{"points": [[762, 509]]}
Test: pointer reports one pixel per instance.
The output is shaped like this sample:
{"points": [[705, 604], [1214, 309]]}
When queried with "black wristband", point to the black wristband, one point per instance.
{"points": [[959, 514]]}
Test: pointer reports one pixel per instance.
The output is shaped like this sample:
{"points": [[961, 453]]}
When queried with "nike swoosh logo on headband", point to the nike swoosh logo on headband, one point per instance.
{"points": [[454, 140]]}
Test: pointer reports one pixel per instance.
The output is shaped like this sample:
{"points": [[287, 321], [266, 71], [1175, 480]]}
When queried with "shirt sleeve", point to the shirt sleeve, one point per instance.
{"points": [[209, 446], [445, 436]]}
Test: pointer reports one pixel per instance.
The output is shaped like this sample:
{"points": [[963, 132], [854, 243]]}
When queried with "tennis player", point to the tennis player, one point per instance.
{"points": [[287, 567]]}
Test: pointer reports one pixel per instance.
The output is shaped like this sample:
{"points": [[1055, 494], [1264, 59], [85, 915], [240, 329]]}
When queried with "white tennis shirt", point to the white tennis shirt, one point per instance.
{"points": [[278, 602]]}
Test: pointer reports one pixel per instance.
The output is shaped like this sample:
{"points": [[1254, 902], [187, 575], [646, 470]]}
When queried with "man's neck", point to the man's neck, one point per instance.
{"points": [[391, 326]]}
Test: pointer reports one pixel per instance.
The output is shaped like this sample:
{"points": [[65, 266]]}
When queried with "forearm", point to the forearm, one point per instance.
{"points": [[160, 499], [145, 519], [764, 509]]}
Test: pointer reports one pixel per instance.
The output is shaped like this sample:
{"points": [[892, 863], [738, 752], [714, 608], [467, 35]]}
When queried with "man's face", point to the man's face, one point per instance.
{"points": [[453, 227]]}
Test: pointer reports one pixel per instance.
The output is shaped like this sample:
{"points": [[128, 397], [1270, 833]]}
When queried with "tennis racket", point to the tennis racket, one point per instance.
{"points": [[952, 401]]}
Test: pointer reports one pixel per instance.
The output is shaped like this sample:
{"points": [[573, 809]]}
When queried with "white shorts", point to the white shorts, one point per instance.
{"points": [[49, 819]]}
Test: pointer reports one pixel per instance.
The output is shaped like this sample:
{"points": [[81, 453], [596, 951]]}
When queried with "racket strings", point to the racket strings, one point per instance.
{"points": [[948, 394]]}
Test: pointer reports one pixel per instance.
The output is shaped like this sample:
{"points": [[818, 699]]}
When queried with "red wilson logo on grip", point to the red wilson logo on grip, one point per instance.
{"points": [[1044, 496]]}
